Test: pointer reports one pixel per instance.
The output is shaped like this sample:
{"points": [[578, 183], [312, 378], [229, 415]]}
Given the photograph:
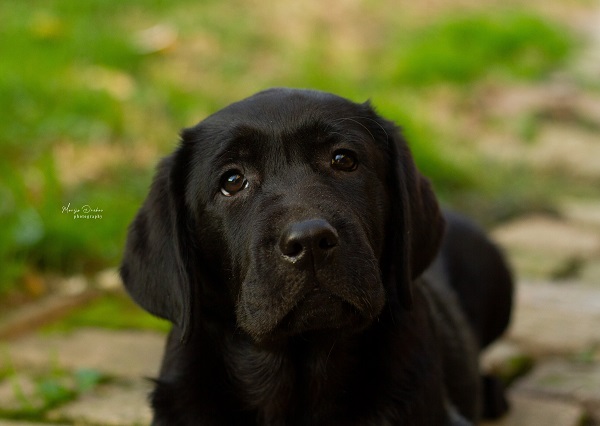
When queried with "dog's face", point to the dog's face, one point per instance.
{"points": [[290, 211], [295, 194]]}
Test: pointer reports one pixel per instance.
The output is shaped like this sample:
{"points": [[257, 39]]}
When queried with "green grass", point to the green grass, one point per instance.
{"points": [[49, 389], [35, 392], [73, 74], [514, 45], [116, 312]]}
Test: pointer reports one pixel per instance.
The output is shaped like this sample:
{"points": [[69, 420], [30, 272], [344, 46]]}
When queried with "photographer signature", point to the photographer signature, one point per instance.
{"points": [[84, 212]]}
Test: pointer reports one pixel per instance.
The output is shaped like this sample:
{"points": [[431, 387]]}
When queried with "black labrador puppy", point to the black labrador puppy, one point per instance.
{"points": [[287, 239]]}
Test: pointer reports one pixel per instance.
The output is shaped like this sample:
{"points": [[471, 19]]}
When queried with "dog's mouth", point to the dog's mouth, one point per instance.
{"points": [[311, 309], [320, 309], [279, 299]]}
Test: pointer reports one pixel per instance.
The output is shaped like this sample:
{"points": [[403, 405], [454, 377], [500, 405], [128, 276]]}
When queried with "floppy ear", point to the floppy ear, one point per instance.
{"points": [[415, 215], [154, 267]]}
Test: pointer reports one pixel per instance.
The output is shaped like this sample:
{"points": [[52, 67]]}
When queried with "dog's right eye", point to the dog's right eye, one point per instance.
{"points": [[344, 160], [233, 182]]}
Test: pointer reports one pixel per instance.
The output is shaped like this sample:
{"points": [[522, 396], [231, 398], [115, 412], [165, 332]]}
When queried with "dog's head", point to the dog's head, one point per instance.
{"points": [[290, 211]]}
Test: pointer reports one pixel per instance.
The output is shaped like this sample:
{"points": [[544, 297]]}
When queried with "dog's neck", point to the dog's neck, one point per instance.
{"points": [[308, 370], [320, 379]]}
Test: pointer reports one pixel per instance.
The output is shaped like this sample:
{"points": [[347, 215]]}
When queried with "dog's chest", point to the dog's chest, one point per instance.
{"points": [[297, 386]]}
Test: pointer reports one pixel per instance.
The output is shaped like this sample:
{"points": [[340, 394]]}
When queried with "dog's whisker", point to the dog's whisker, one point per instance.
{"points": [[360, 124]]}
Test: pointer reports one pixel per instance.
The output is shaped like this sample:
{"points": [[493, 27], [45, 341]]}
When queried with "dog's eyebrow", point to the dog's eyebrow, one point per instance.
{"points": [[324, 132], [244, 143], [315, 130], [242, 140], [245, 132]]}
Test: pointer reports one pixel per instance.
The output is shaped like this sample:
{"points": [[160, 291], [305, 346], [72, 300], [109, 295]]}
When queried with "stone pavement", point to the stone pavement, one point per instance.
{"points": [[125, 358], [550, 355], [554, 339], [552, 347]]}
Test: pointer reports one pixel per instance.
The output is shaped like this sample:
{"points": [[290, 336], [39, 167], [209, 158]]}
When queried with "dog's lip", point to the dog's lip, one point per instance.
{"points": [[343, 306], [317, 290], [319, 309]]}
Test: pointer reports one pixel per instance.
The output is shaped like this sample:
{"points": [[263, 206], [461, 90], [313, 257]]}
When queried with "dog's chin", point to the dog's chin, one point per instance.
{"points": [[318, 312]]}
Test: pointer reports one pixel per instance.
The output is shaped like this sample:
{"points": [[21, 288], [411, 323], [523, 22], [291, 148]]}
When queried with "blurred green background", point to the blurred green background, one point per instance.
{"points": [[94, 92]]}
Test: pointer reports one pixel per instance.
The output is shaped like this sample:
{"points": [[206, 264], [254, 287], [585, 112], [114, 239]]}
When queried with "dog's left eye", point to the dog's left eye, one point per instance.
{"points": [[233, 182], [344, 160]]}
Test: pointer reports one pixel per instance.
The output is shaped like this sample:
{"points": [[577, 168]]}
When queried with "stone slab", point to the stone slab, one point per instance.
{"points": [[590, 273], [505, 360], [109, 405], [34, 315], [19, 391], [528, 410], [584, 212], [549, 247], [567, 148], [554, 318], [545, 233], [564, 379], [18, 423], [115, 353]]}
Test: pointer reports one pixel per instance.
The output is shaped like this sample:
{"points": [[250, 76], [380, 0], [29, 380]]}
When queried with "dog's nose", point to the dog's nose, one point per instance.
{"points": [[314, 238]]}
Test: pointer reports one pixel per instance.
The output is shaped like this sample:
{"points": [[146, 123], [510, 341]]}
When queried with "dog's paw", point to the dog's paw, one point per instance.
{"points": [[495, 404]]}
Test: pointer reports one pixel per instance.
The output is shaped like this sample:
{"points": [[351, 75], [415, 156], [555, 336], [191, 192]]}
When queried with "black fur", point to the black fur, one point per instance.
{"points": [[296, 287]]}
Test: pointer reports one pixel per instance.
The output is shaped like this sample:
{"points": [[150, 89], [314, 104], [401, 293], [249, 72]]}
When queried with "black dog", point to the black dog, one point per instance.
{"points": [[287, 239]]}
